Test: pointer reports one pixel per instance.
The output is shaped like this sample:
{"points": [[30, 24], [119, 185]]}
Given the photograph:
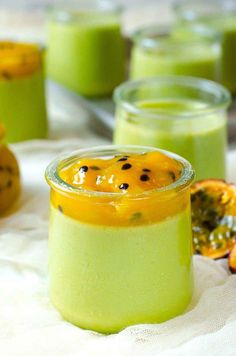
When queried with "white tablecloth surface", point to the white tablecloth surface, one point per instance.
{"points": [[30, 326]]}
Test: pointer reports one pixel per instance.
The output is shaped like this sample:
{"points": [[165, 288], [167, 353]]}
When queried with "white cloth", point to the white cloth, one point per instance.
{"points": [[30, 326]]}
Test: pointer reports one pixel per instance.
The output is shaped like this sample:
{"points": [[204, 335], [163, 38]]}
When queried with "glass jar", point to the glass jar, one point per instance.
{"points": [[22, 92], [220, 15], [165, 50], [184, 115], [115, 261], [85, 46]]}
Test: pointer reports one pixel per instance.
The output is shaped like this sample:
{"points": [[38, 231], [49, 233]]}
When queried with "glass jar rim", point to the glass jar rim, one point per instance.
{"points": [[63, 7], [159, 37], [36, 47], [193, 10], [222, 95], [56, 182]]}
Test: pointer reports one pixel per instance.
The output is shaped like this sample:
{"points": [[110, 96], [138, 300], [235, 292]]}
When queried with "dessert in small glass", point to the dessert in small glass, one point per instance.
{"points": [[220, 15], [86, 47], [9, 175], [166, 50], [120, 242], [22, 94], [184, 115]]}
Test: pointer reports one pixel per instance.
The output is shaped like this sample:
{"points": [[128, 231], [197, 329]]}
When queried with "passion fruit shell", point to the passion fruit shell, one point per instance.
{"points": [[213, 217], [9, 179], [232, 260]]}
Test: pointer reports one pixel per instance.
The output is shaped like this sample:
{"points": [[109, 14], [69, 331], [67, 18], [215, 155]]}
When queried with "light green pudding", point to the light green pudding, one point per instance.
{"points": [[111, 275], [221, 16], [22, 93], [169, 117], [107, 270], [158, 51], [196, 144], [23, 108], [86, 51]]}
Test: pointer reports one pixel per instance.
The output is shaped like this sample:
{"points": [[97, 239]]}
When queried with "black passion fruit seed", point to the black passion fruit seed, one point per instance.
{"points": [[95, 168], [60, 208], [124, 186], [122, 159], [126, 166], [83, 169], [136, 216], [144, 178]]}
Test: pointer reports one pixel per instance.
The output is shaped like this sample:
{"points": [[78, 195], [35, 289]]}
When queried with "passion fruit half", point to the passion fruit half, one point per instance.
{"points": [[213, 217], [232, 260]]}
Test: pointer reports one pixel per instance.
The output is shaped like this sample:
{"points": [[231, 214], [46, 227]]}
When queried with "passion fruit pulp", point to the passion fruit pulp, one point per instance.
{"points": [[213, 217]]}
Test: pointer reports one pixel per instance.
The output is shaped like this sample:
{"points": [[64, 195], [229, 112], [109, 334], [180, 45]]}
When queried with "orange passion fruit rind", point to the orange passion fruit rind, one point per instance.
{"points": [[213, 217], [18, 60], [9, 175], [232, 260], [9, 179], [117, 185]]}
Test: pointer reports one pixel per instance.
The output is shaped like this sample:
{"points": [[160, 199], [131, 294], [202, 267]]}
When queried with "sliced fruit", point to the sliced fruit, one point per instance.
{"points": [[213, 217], [232, 260], [9, 179]]}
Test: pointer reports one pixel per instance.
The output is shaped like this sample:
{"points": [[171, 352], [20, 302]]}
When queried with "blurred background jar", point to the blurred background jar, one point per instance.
{"points": [[190, 50], [220, 15], [86, 47], [22, 92], [185, 115]]}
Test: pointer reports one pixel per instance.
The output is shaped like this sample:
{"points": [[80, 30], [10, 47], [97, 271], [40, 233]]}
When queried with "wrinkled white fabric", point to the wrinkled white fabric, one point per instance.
{"points": [[30, 326]]}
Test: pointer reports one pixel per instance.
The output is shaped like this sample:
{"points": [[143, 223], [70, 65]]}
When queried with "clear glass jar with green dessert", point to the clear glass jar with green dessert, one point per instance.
{"points": [[120, 241], [85, 46], [220, 15], [166, 50], [22, 92], [185, 115]]}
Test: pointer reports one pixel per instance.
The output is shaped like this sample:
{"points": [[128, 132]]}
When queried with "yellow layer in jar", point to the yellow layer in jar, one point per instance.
{"points": [[18, 59], [131, 175]]}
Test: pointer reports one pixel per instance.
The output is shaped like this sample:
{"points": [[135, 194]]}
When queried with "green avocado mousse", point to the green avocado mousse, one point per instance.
{"points": [[22, 92], [86, 51], [120, 241], [184, 115], [221, 16], [159, 50]]}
